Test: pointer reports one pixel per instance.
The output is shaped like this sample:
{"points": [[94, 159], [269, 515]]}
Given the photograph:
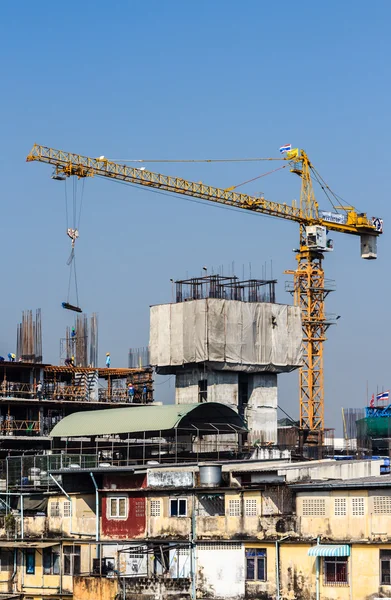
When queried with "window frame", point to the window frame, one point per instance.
{"points": [[259, 556], [234, 502], [117, 500], [340, 506], [178, 500], [155, 507], [54, 565], [202, 390], [30, 569], [358, 506], [335, 560], [385, 558], [71, 551], [251, 507], [55, 511], [67, 509]]}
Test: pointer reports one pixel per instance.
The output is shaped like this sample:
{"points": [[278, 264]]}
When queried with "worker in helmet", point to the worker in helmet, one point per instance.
{"points": [[108, 360], [131, 392], [11, 357]]}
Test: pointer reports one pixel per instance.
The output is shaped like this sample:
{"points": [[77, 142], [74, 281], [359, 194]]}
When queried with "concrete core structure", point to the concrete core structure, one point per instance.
{"points": [[229, 351]]}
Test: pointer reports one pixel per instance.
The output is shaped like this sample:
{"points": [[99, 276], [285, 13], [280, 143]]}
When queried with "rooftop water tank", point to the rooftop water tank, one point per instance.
{"points": [[210, 475]]}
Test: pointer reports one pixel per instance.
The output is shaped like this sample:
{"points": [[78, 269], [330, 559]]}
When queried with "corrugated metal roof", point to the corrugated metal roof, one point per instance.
{"points": [[138, 419], [328, 550]]}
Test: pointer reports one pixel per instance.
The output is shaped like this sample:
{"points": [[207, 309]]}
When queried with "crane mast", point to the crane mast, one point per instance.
{"points": [[310, 288]]}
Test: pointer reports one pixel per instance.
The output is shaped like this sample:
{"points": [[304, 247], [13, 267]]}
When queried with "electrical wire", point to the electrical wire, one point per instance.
{"points": [[255, 178], [200, 160], [188, 198]]}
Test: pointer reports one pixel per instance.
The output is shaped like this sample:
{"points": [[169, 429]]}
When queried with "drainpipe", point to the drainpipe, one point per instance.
{"points": [[70, 500], [317, 562], [278, 596], [193, 549], [96, 516], [21, 517]]}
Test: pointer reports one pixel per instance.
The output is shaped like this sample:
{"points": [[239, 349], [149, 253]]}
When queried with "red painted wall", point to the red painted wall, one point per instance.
{"points": [[135, 523]]}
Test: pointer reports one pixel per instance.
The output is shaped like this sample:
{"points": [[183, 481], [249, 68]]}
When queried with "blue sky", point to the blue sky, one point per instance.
{"points": [[194, 80]]}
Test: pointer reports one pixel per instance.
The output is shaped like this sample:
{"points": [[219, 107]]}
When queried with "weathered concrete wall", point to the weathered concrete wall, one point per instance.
{"points": [[157, 588], [345, 514], [164, 525], [220, 570], [330, 469], [94, 588]]}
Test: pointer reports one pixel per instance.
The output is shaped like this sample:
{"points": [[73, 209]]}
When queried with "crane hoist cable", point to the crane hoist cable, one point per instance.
{"points": [[73, 210]]}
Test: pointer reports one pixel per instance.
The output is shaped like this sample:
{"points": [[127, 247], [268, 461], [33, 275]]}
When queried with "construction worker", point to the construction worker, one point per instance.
{"points": [[73, 332], [11, 357], [131, 392], [108, 360], [39, 390], [145, 392]]}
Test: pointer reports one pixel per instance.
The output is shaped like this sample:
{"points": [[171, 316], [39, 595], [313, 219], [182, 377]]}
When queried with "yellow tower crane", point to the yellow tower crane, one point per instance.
{"points": [[309, 286]]}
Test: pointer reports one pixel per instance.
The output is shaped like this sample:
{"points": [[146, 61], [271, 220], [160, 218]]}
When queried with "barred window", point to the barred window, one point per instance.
{"points": [[358, 507], [382, 505], [155, 508], [55, 509], [336, 570], [340, 508], [67, 508], [314, 507], [250, 507], [234, 508]]}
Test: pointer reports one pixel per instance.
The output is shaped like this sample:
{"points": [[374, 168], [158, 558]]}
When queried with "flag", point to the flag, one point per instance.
{"points": [[383, 396], [285, 148], [372, 401]]}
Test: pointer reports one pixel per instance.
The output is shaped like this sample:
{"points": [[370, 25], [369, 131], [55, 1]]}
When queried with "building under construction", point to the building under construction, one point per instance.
{"points": [[226, 340], [35, 396]]}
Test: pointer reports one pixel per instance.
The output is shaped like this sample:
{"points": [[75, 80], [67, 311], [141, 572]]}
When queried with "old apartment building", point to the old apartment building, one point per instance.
{"points": [[234, 529]]}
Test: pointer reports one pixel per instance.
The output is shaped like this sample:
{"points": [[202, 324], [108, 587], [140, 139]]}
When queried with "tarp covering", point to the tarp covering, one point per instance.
{"points": [[243, 336], [324, 550], [33, 503]]}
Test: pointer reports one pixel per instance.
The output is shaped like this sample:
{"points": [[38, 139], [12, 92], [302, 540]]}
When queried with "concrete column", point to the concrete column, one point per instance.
{"points": [[261, 410]]}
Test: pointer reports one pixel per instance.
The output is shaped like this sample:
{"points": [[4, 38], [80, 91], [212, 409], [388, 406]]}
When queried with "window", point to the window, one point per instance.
{"points": [[211, 505], [67, 508], [382, 505], [55, 509], [358, 507], [30, 562], [340, 507], [314, 507], [256, 564], [202, 390], [71, 560], [178, 507], [51, 562], [234, 508], [336, 570], [6, 560], [155, 508], [385, 567], [250, 507], [118, 507]]}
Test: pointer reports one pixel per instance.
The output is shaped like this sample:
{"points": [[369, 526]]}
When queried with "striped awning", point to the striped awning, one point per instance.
{"points": [[325, 550]]}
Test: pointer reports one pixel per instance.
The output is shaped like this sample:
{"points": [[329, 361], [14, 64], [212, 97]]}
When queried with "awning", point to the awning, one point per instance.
{"points": [[5, 544], [324, 550]]}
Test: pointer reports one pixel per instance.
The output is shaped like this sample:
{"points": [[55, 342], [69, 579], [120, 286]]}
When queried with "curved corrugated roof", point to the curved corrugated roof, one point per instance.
{"points": [[137, 419]]}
